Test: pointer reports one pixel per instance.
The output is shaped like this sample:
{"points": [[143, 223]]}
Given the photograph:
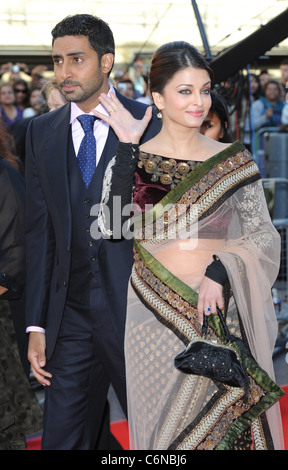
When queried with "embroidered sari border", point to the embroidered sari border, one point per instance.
{"points": [[273, 394], [165, 275]]}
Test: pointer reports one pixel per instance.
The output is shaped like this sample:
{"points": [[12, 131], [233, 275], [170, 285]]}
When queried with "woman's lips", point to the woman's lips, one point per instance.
{"points": [[196, 113]]}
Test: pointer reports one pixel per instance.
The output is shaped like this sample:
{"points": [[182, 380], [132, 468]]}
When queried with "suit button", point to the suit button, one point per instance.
{"points": [[93, 258], [86, 201], [64, 283]]}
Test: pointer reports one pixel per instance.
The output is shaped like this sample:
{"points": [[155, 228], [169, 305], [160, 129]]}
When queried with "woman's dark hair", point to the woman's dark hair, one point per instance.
{"points": [[219, 107], [98, 32], [7, 147], [257, 93], [172, 57], [22, 82]]}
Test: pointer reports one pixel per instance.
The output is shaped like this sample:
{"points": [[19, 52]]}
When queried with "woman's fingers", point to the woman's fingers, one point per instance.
{"points": [[126, 127], [209, 297]]}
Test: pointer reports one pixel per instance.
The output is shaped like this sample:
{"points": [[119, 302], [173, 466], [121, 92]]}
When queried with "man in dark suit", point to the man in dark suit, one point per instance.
{"points": [[76, 283]]}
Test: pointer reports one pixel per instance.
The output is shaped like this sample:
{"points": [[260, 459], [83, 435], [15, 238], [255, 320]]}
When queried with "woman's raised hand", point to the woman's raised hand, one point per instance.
{"points": [[125, 126]]}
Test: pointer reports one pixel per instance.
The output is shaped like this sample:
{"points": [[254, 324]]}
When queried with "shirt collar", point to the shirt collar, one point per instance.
{"points": [[76, 111]]}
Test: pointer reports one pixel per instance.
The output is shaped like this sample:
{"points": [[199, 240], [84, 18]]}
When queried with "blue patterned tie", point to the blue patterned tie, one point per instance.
{"points": [[87, 152]]}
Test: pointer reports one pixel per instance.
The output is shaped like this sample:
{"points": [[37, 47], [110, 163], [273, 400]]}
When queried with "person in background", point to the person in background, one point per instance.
{"points": [[267, 109], [252, 92], [9, 111], [216, 124], [201, 233], [20, 412], [146, 97], [284, 118], [126, 88], [35, 100], [11, 73], [264, 77], [19, 128], [284, 78], [38, 78], [54, 97], [22, 93]]}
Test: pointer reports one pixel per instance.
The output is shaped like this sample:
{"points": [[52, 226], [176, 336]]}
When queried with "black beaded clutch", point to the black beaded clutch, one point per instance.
{"points": [[216, 361]]}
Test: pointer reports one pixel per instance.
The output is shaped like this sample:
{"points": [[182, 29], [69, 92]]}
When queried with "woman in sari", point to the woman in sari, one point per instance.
{"points": [[202, 238]]}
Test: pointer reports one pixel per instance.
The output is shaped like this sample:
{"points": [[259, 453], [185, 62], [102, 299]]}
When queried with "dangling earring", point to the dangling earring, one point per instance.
{"points": [[159, 114]]}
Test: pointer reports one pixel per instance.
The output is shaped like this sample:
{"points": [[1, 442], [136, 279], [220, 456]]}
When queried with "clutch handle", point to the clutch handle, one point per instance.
{"points": [[223, 324]]}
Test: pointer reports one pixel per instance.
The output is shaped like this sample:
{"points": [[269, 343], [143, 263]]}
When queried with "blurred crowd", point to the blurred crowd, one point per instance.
{"points": [[24, 94], [252, 101]]}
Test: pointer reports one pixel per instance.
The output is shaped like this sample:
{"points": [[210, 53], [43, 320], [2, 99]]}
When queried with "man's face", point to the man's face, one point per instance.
{"points": [[80, 76]]}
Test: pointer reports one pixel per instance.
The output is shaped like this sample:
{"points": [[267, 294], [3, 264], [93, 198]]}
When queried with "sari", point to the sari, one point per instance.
{"points": [[219, 210]]}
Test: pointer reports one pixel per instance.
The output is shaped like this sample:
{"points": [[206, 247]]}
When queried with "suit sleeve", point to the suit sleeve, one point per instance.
{"points": [[39, 248], [114, 219]]}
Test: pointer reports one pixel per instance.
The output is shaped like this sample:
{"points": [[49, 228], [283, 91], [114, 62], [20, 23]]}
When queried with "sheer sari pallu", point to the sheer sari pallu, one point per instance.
{"points": [[218, 210]]}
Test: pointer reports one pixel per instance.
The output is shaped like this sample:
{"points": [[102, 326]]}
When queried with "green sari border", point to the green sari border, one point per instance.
{"points": [[273, 394], [183, 186], [166, 276]]}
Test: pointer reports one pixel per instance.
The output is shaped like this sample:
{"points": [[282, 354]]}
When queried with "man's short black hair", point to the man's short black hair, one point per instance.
{"points": [[98, 32]]}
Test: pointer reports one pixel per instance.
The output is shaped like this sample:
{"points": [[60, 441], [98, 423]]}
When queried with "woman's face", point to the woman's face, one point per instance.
{"points": [[212, 127], [7, 96], [186, 98], [272, 92]]}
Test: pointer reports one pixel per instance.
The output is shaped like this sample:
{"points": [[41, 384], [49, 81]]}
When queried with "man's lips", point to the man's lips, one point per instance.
{"points": [[68, 86]]}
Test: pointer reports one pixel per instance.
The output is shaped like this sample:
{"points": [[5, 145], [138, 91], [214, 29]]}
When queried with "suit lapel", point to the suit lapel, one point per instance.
{"points": [[56, 165]]}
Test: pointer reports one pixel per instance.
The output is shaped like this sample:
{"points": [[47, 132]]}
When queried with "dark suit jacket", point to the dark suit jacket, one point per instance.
{"points": [[48, 218]]}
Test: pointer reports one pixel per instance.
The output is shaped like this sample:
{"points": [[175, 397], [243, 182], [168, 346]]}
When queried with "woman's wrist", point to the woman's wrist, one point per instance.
{"points": [[127, 151]]}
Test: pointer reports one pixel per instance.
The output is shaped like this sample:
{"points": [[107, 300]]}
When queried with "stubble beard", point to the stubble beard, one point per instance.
{"points": [[81, 94]]}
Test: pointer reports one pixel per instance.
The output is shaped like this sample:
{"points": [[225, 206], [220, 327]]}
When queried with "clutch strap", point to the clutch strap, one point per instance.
{"points": [[222, 322]]}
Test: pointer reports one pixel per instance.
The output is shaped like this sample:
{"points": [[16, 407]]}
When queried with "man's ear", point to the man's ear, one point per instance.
{"points": [[107, 61]]}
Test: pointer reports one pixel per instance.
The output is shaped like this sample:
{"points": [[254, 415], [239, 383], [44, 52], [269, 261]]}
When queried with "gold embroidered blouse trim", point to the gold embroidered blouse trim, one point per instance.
{"points": [[168, 170]]}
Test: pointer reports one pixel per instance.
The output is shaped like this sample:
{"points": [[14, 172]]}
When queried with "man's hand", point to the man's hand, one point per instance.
{"points": [[37, 358]]}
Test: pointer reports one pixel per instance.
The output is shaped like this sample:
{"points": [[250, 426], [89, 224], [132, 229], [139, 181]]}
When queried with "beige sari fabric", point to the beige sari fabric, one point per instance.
{"points": [[218, 209]]}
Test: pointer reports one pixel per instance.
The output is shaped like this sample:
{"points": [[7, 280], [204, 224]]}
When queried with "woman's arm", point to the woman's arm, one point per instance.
{"points": [[119, 176]]}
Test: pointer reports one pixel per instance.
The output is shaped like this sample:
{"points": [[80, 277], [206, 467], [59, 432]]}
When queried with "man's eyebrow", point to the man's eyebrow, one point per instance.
{"points": [[57, 56]]}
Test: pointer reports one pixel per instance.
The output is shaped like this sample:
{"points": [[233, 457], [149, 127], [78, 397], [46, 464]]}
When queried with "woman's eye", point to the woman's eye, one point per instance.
{"points": [[206, 91], [185, 92]]}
